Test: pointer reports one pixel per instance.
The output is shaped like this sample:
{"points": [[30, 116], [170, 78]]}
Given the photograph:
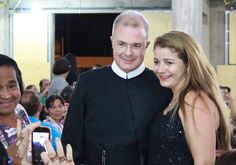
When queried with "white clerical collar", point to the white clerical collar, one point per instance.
{"points": [[129, 75]]}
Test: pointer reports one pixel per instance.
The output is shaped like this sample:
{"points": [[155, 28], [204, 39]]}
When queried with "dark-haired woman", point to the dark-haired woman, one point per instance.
{"points": [[11, 87], [61, 69], [66, 94], [54, 108], [74, 74]]}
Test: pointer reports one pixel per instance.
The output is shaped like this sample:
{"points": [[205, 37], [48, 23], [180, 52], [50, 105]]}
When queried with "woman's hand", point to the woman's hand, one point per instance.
{"points": [[57, 159], [18, 150]]}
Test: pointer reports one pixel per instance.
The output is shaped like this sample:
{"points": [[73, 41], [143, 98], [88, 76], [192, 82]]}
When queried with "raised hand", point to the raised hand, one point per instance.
{"points": [[53, 158]]}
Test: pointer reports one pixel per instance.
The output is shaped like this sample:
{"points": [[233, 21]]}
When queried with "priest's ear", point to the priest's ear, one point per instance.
{"points": [[112, 40]]}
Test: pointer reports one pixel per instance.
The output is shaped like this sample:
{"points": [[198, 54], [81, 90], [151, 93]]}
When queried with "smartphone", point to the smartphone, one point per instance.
{"points": [[38, 138]]}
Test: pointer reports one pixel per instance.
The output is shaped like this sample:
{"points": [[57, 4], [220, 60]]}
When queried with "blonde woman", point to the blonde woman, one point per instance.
{"points": [[195, 123]]}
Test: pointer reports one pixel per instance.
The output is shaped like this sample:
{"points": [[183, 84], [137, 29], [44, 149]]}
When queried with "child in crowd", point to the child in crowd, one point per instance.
{"points": [[54, 108]]}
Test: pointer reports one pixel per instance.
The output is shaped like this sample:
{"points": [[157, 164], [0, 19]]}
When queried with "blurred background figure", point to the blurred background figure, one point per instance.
{"points": [[96, 66], [54, 108], [33, 87], [227, 158], [31, 102], [225, 92], [74, 74], [66, 94], [44, 85], [61, 69]]}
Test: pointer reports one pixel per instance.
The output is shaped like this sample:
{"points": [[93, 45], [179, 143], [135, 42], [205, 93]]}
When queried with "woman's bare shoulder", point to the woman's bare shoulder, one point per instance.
{"points": [[204, 105]]}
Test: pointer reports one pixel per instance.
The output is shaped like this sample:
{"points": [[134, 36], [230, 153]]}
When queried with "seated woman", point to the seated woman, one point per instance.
{"points": [[10, 92], [54, 108], [61, 69]]}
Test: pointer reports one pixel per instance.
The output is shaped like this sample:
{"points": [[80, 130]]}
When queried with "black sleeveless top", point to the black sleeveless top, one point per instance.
{"points": [[168, 144]]}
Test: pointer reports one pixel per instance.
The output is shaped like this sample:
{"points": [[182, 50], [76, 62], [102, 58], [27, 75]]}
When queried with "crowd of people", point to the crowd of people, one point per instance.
{"points": [[125, 113]]}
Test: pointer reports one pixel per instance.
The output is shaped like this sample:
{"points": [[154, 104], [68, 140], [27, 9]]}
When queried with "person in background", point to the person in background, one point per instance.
{"points": [[32, 87], [112, 107], [96, 66], [4, 159], [11, 84], [228, 100], [44, 85], [66, 94], [61, 69], [227, 158], [54, 108], [74, 74], [195, 123], [225, 91], [31, 102]]}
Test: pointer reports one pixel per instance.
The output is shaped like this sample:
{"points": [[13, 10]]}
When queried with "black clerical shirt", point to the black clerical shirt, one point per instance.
{"points": [[111, 113]]}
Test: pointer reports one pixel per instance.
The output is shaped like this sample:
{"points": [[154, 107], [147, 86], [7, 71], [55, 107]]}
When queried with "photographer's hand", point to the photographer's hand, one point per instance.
{"points": [[57, 159], [18, 150]]}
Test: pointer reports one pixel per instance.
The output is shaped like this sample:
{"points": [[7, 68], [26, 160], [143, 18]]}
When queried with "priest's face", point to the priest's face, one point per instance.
{"points": [[129, 46]]}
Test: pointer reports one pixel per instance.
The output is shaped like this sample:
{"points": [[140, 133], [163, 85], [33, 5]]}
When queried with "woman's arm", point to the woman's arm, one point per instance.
{"points": [[200, 126]]}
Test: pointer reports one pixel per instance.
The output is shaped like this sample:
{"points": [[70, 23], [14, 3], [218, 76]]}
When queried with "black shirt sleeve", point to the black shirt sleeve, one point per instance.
{"points": [[73, 131]]}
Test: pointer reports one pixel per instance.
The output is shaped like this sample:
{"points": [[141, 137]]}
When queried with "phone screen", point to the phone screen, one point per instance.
{"points": [[39, 136]]}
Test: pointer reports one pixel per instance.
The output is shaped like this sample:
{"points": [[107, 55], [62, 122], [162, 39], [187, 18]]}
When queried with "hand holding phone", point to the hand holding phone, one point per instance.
{"points": [[18, 150], [38, 138]]}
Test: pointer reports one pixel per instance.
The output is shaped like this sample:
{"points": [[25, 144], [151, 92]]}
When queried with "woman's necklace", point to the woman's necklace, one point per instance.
{"points": [[171, 104], [174, 99]]}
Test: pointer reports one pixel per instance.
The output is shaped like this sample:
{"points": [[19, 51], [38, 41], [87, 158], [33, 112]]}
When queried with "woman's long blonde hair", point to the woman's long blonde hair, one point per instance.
{"points": [[201, 76]]}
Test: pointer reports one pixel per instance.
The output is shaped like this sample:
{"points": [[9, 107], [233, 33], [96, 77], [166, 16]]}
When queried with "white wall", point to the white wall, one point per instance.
{"points": [[94, 3], [205, 29], [4, 30], [212, 38], [217, 33]]}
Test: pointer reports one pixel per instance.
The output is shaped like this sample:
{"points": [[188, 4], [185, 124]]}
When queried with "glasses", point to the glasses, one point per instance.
{"points": [[123, 46]]}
